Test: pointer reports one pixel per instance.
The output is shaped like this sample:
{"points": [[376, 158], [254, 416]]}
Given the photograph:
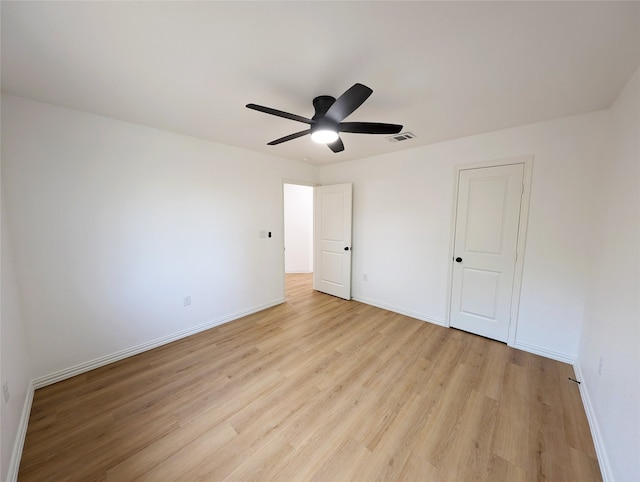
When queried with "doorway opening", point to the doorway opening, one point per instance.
{"points": [[298, 236]]}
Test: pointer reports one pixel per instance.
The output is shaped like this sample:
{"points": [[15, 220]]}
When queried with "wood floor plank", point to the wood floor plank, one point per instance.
{"points": [[317, 388], [155, 454], [394, 449], [500, 469], [511, 441]]}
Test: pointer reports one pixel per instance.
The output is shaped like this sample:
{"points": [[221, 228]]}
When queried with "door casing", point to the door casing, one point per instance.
{"points": [[522, 231]]}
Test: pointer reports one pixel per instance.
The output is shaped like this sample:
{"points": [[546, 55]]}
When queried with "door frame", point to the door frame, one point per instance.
{"points": [[522, 235]]}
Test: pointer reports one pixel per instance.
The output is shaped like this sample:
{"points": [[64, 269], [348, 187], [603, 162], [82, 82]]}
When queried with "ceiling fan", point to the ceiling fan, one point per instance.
{"points": [[326, 123]]}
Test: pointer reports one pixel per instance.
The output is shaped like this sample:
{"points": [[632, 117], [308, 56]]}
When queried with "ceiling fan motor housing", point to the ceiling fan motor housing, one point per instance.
{"points": [[321, 104]]}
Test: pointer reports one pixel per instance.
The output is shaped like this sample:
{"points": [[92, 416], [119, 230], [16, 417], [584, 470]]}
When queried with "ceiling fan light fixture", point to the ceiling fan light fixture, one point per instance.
{"points": [[324, 135], [326, 124]]}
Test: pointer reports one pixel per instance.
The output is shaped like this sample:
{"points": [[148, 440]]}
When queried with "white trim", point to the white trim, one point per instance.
{"points": [[400, 311], [520, 249], [538, 350], [299, 183], [105, 360], [527, 161], [596, 435], [18, 444], [452, 240]]}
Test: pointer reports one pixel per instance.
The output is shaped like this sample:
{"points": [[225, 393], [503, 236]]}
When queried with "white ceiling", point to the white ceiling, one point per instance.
{"points": [[442, 69]]}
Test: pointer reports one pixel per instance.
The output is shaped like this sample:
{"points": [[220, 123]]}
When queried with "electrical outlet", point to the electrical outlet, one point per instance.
{"points": [[5, 391], [365, 277], [600, 366], [186, 301]]}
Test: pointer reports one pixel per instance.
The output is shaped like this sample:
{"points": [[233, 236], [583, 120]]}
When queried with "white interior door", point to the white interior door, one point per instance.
{"points": [[486, 239], [332, 236]]}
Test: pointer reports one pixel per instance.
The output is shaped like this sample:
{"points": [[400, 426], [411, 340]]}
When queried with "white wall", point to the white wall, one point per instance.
{"points": [[14, 363], [403, 214], [114, 223], [298, 228], [612, 323]]}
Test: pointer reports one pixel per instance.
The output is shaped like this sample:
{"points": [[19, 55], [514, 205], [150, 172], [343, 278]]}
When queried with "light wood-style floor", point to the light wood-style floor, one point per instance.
{"points": [[316, 389]]}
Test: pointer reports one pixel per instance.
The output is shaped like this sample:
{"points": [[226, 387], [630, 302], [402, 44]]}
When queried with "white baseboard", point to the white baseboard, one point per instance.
{"points": [[596, 435], [400, 311], [105, 360], [537, 350], [18, 445]]}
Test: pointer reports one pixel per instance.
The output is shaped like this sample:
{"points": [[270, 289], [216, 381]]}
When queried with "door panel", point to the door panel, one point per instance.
{"points": [[485, 218], [486, 238], [332, 217], [479, 293], [332, 267], [332, 236]]}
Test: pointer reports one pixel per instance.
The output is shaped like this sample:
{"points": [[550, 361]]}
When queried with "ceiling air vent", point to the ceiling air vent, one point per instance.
{"points": [[404, 136]]}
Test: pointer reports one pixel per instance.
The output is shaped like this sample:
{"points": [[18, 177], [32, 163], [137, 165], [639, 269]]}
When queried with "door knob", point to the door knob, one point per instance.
{"points": [[458, 259], [346, 248]]}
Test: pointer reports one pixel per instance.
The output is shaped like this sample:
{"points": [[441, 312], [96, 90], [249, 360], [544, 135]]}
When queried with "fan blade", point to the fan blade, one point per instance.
{"points": [[348, 102], [279, 113], [336, 146], [290, 137], [369, 128]]}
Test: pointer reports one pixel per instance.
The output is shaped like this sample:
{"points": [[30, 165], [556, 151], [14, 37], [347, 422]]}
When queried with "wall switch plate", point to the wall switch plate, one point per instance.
{"points": [[5, 391], [186, 301], [365, 277], [600, 366]]}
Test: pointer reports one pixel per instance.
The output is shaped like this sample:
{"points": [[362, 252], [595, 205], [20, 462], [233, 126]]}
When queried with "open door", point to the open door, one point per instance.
{"points": [[332, 240]]}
